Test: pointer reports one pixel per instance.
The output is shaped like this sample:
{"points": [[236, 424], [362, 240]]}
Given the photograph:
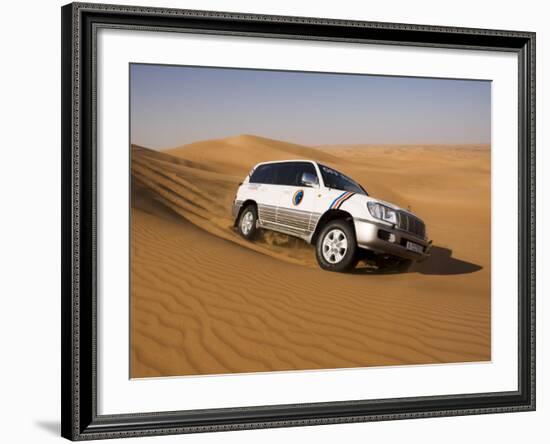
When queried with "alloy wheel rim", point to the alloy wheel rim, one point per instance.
{"points": [[335, 246], [247, 221]]}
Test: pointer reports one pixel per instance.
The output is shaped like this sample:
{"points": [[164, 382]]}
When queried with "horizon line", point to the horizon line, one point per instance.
{"points": [[317, 145]]}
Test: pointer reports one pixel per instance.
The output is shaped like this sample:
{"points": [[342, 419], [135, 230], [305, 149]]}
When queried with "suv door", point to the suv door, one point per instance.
{"points": [[297, 206], [261, 187]]}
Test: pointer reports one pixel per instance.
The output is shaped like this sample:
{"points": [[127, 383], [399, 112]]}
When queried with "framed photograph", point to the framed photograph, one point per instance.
{"points": [[280, 221]]}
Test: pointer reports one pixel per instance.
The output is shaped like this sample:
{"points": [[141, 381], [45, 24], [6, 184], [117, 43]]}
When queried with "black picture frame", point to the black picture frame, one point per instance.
{"points": [[79, 171]]}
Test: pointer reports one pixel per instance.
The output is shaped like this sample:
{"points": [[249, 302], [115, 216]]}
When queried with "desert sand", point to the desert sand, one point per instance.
{"points": [[204, 301]]}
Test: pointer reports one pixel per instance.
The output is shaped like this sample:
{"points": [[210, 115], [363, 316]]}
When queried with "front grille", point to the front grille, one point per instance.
{"points": [[411, 224]]}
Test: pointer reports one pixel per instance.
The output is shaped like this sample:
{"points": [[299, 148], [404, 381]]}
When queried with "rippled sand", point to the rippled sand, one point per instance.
{"points": [[204, 301]]}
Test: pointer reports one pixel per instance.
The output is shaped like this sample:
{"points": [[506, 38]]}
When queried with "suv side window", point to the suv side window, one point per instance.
{"points": [[290, 173], [304, 167], [263, 174], [285, 173]]}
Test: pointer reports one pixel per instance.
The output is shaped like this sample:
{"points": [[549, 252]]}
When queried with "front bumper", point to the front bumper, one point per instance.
{"points": [[386, 239]]}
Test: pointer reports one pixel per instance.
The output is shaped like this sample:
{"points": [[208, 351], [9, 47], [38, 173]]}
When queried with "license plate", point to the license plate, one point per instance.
{"points": [[414, 247]]}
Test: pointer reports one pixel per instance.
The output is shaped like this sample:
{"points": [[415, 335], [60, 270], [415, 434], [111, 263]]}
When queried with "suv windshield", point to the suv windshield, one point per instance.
{"points": [[336, 180]]}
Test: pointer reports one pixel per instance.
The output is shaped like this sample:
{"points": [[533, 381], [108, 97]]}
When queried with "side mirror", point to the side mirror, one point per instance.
{"points": [[309, 180]]}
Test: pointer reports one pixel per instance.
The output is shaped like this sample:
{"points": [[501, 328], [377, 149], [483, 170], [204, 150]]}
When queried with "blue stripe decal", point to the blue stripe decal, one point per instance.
{"points": [[336, 199]]}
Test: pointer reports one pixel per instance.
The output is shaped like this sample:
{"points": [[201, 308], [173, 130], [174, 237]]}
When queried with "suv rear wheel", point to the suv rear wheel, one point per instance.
{"points": [[247, 222], [336, 248]]}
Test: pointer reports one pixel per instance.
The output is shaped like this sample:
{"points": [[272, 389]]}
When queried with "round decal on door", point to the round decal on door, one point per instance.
{"points": [[298, 196]]}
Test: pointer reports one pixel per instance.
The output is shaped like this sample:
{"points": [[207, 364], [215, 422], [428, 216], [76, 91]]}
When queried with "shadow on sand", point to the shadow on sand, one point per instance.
{"points": [[441, 262]]}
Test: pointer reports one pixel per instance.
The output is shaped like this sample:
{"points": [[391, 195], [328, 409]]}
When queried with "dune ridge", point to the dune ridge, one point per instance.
{"points": [[206, 302]]}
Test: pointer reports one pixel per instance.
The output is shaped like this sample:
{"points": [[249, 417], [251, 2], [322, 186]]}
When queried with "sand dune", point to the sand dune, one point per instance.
{"points": [[238, 154], [204, 301]]}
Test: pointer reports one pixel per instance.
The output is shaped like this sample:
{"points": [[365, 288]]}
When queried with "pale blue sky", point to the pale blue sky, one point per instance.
{"points": [[176, 105]]}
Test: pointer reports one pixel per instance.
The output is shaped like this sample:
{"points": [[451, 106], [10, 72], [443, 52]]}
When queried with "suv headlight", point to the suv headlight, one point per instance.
{"points": [[382, 212]]}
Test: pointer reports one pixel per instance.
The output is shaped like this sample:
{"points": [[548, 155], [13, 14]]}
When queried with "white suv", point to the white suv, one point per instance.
{"points": [[324, 207]]}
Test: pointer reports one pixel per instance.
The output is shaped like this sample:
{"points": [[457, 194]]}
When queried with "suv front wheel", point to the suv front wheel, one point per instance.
{"points": [[336, 247]]}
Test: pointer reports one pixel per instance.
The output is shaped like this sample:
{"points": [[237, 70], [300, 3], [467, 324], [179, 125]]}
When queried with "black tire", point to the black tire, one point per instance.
{"points": [[323, 252], [393, 264], [246, 231]]}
